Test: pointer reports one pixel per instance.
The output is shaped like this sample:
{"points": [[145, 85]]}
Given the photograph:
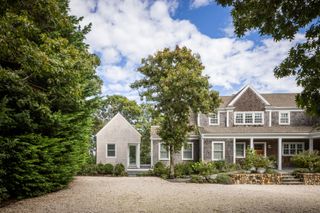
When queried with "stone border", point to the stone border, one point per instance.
{"points": [[310, 178], [262, 179]]}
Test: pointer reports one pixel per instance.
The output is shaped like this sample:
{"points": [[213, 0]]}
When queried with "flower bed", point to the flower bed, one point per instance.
{"points": [[310, 178], [256, 178]]}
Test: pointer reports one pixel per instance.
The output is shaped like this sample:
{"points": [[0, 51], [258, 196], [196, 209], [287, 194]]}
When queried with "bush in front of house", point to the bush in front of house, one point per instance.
{"points": [[160, 169], [202, 168], [223, 179], [308, 160], [197, 179], [183, 169], [119, 170], [255, 161], [99, 169]]}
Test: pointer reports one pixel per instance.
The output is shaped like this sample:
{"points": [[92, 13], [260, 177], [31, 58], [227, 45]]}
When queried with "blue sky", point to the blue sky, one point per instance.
{"points": [[124, 32]]}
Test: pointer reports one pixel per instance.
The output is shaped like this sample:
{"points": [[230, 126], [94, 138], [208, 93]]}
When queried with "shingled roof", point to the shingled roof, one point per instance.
{"points": [[275, 99]]}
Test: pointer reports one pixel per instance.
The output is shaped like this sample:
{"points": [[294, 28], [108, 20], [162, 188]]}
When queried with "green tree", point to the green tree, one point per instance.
{"points": [[283, 20], [174, 84], [48, 90]]}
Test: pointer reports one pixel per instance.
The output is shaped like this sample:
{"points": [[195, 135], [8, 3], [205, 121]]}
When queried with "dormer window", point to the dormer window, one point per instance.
{"points": [[214, 119], [284, 118], [248, 118]]}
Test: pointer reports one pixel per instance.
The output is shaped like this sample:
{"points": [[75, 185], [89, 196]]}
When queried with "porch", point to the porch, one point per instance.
{"points": [[281, 148]]}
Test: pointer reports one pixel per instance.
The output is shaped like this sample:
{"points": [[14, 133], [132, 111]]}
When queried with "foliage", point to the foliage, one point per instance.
{"points": [[174, 84], [223, 179], [119, 170], [283, 20], [160, 169], [183, 169], [203, 168], [300, 170], [307, 159], [197, 179], [104, 168], [48, 90], [224, 166], [253, 160]]}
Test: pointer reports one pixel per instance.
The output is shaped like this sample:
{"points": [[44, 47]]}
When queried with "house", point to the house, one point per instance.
{"points": [[271, 124], [119, 142]]}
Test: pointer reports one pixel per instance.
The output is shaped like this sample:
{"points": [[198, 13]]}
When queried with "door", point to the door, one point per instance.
{"points": [[260, 148], [132, 155]]}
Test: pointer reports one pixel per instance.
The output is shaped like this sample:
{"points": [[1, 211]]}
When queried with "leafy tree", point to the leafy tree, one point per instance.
{"points": [[174, 84], [283, 20], [48, 87]]}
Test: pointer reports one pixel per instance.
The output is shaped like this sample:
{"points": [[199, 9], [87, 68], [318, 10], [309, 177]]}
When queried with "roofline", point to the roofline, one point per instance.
{"points": [[265, 134], [243, 91]]}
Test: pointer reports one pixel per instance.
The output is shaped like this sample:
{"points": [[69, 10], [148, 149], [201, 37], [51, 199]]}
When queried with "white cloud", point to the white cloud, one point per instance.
{"points": [[125, 31], [200, 3]]}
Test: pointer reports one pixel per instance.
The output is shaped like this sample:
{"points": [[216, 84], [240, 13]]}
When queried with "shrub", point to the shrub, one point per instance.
{"points": [[300, 170], [256, 161], [197, 179], [119, 170], [160, 169], [203, 168], [88, 169], [223, 166], [183, 169], [108, 169], [223, 179], [307, 159]]}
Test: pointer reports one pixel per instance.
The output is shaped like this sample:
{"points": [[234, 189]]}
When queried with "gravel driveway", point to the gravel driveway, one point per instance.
{"points": [[149, 194]]}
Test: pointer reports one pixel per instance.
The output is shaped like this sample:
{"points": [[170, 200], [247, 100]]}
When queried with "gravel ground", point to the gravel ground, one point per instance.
{"points": [[149, 194]]}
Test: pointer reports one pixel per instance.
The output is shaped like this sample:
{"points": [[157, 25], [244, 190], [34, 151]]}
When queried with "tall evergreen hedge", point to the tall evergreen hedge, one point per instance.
{"points": [[47, 85]]}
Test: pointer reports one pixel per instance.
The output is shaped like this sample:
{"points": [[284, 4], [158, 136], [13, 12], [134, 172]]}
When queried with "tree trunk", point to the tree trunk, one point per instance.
{"points": [[171, 175]]}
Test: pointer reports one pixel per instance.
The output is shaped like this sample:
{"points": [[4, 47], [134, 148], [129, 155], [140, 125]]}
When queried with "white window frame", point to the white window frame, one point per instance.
{"points": [[244, 118], [244, 148], [279, 115], [192, 150], [160, 153], [264, 147], [223, 150], [218, 119], [288, 143], [115, 150]]}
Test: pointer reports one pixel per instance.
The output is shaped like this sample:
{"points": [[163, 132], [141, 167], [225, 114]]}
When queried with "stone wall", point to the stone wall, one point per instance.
{"points": [[256, 179], [310, 178]]}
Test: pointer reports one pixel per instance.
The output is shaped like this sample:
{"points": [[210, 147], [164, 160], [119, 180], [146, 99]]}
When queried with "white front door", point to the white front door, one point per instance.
{"points": [[133, 156]]}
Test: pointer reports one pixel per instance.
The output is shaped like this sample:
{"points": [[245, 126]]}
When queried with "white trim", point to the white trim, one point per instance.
{"points": [[228, 118], [257, 135], [279, 117], [244, 117], [288, 143], [244, 148], [198, 119], [218, 118], [270, 118], [151, 147], [311, 144], [243, 91], [279, 153], [223, 150], [137, 146], [264, 147], [234, 150], [291, 109], [160, 153], [182, 152], [202, 143], [115, 150], [251, 143]]}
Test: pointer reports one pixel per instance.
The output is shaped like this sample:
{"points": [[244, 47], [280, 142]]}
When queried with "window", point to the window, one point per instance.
{"points": [[163, 152], [284, 118], [290, 149], [218, 150], [239, 118], [249, 118], [241, 150], [187, 151], [111, 151], [214, 119]]}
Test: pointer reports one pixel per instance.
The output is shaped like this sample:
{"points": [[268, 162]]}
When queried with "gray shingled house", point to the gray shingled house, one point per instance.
{"points": [[271, 124], [119, 142]]}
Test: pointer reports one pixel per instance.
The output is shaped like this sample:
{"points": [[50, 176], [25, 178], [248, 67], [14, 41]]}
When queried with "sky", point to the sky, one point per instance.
{"points": [[125, 31]]}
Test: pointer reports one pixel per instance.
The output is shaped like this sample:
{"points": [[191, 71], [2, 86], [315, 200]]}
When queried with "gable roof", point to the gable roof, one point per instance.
{"points": [[242, 91], [274, 99], [118, 118]]}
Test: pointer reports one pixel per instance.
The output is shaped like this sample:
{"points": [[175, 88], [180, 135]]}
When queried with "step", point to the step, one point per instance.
{"points": [[292, 183]]}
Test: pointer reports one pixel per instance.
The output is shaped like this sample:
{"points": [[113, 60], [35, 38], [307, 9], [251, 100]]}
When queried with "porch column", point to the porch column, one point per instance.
{"points": [[138, 155], [234, 150], [310, 144], [279, 153], [251, 143]]}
